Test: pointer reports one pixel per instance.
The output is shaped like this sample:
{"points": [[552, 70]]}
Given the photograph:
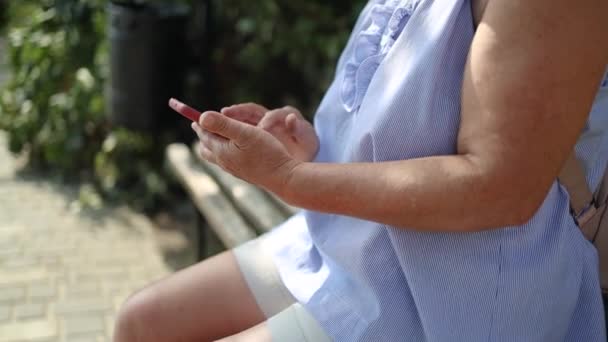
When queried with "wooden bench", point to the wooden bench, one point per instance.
{"points": [[234, 210]]}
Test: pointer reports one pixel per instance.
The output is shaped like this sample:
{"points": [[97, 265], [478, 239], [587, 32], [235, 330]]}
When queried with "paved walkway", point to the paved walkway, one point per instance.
{"points": [[64, 272]]}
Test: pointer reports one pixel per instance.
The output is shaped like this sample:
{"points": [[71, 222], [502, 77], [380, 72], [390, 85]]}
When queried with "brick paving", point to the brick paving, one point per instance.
{"points": [[65, 271]]}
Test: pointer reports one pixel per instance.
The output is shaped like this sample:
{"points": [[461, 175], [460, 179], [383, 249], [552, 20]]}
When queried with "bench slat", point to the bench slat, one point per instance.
{"points": [[263, 213], [221, 215]]}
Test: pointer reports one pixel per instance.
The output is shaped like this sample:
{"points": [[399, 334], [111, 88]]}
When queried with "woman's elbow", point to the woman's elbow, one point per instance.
{"points": [[524, 212], [517, 206], [508, 196]]}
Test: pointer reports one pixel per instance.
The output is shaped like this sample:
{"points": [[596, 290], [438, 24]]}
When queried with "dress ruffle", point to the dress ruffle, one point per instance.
{"points": [[382, 28]]}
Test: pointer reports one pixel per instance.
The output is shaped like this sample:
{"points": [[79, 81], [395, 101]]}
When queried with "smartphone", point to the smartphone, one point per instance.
{"points": [[184, 110]]}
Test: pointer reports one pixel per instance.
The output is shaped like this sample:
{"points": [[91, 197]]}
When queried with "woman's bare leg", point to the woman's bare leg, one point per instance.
{"points": [[204, 302]]}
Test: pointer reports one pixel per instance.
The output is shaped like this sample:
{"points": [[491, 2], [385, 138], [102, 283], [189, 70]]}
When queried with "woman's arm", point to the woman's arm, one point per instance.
{"points": [[530, 79], [531, 76]]}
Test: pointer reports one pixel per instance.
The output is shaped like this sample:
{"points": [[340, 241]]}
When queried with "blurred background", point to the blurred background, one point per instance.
{"points": [[88, 211]]}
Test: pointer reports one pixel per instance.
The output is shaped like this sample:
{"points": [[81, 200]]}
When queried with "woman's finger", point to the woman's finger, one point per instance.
{"points": [[302, 130], [249, 107], [294, 110], [291, 122], [197, 129], [206, 153], [250, 113], [207, 138], [213, 142], [273, 118], [226, 128]]}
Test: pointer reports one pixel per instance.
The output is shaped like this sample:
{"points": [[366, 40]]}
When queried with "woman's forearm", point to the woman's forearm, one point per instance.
{"points": [[445, 193]]}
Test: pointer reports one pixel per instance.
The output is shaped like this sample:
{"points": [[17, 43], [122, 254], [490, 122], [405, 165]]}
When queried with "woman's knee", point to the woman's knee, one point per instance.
{"points": [[138, 317]]}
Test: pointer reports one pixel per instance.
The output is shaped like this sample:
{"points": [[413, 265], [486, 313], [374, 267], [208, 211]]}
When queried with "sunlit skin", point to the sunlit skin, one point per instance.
{"points": [[531, 75]]}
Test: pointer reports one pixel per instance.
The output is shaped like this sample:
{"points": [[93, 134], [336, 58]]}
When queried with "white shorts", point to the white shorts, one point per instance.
{"points": [[288, 320]]}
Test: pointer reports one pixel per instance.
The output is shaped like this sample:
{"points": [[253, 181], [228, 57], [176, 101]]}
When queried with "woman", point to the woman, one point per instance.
{"points": [[432, 207]]}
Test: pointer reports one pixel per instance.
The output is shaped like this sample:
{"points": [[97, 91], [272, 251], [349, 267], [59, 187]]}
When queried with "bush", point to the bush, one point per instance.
{"points": [[53, 106], [271, 51], [289, 47]]}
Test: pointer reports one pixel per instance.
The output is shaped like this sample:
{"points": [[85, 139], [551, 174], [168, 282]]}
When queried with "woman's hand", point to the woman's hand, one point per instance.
{"points": [[286, 124], [245, 151]]}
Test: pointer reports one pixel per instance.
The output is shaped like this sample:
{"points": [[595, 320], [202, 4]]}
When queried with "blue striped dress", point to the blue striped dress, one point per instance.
{"points": [[396, 95]]}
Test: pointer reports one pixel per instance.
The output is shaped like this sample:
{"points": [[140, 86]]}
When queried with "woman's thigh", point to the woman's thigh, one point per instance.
{"points": [[204, 302]]}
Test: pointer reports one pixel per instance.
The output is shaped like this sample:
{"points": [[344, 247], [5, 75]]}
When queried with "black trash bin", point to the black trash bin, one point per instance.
{"points": [[147, 62]]}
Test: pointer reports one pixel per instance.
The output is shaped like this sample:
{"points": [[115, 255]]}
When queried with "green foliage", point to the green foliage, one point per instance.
{"points": [[53, 103], [280, 51], [275, 52], [53, 107]]}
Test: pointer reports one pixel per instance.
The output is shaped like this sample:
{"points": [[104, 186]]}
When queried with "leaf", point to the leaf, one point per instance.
{"points": [[86, 79]]}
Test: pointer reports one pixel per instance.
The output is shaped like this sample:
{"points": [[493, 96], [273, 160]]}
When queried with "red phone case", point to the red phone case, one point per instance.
{"points": [[184, 110]]}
